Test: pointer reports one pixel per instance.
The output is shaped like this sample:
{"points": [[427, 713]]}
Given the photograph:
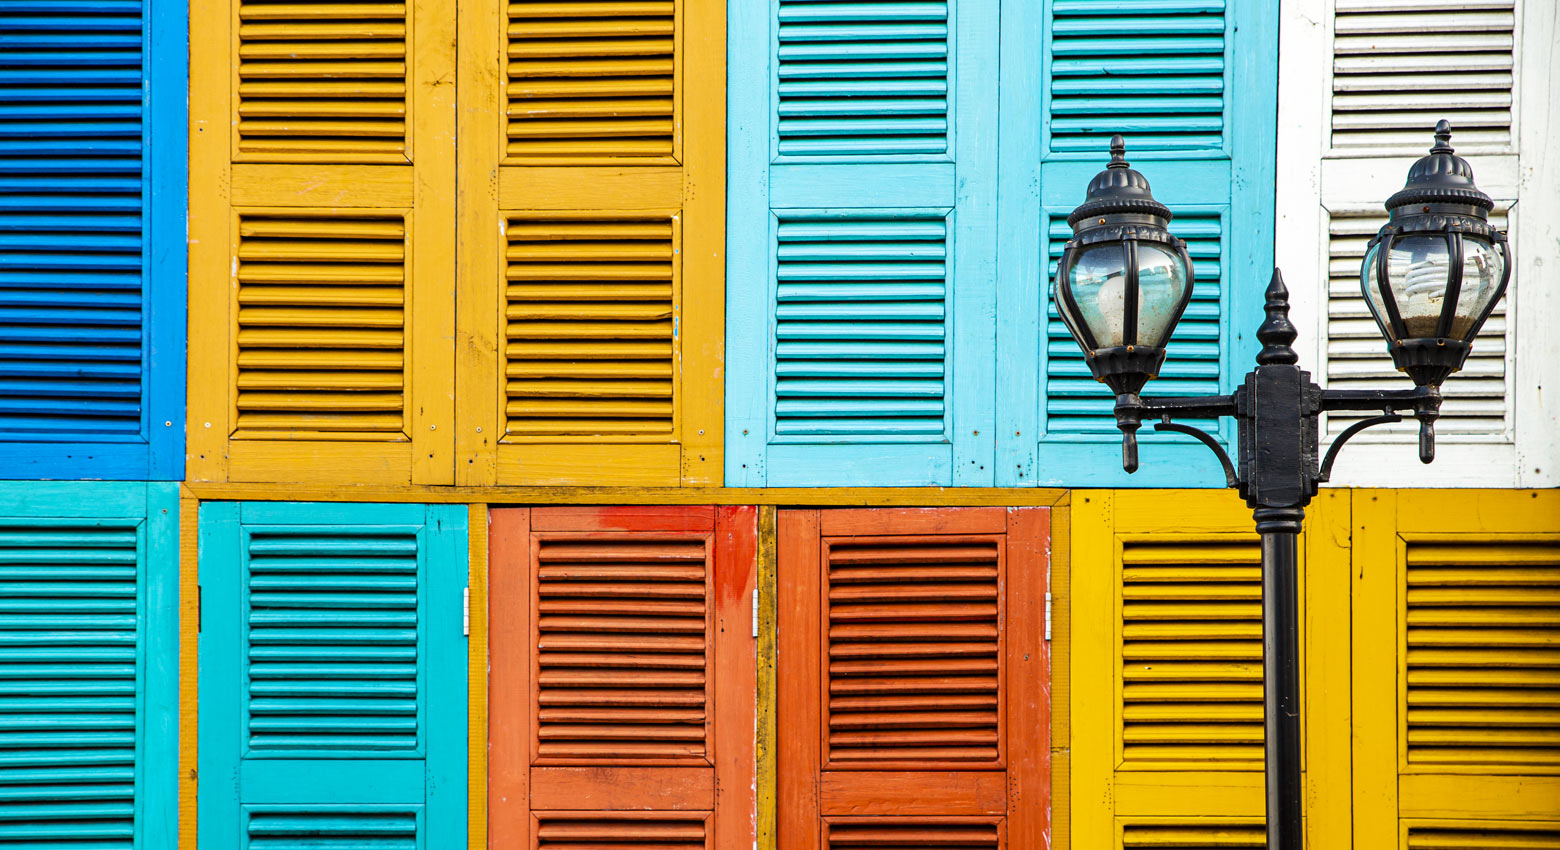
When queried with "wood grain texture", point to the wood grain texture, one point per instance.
{"points": [[960, 793], [1061, 676], [585, 495], [509, 677], [477, 678], [189, 668], [765, 730]]}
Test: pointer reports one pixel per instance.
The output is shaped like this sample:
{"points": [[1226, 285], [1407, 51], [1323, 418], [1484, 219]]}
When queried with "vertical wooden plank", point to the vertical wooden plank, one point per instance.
{"points": [[162, 667], [799, 678], [1029, 694], [1061, 676], [1375, 566], [477, 677], [1094, 665], [448, 568], [166, 274], [219, 714], [766, 743], [509, 677], [189, 666], [1327, 629], [735, 577]]}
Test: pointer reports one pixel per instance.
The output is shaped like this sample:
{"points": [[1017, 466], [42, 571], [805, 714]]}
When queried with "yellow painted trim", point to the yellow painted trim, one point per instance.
{"points": [[1326, 675], [477, 679], [1061, 676], [800, 496], [1092, 659], [209, 241], [189, 667], [1374, 571], [764, 739]]}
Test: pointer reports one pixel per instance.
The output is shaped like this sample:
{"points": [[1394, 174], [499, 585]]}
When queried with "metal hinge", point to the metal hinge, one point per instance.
{"points": [[1048, 615], [465, 612], [755, 612]]}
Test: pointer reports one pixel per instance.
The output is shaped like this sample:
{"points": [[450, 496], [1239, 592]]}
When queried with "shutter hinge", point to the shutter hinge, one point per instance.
{"points": [[465, 612], [1048, 615], [197, 609], [755, 611]]}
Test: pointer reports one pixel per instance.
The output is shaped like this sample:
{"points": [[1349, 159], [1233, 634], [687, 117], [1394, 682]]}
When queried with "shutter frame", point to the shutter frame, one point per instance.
{"points": [[154, 450]]}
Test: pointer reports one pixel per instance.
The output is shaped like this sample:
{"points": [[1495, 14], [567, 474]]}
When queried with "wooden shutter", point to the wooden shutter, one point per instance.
{"points": [[1395, 69], [1166, 666], [1456, 630], [912, 671], [1191, 87], [333, 698], [592, 221], [89, 632], [91, 229], [861, 244], [622, 678], [322, 268]]}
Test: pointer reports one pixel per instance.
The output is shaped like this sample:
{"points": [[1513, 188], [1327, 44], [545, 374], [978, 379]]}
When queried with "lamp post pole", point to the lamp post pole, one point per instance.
{"points": [[1431, 278]]}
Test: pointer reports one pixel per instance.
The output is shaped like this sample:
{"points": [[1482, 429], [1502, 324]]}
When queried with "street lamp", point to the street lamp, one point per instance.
{"points": [[1431, 277]]}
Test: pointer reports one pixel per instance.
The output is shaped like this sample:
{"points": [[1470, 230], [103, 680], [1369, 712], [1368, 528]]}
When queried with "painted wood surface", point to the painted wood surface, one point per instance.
{"points": [[913, 678], [862, 240], [622, 676], [92, 241], [333, 674], [322, 234], [91, 638], [591, 230]]}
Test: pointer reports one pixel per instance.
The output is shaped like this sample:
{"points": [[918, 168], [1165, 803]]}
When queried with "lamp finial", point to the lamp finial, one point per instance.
{"points": [[1118, 152], [1443, 137], [1277, 333]]}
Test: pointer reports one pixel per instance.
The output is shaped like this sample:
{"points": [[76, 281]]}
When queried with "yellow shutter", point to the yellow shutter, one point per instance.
{"points": [[592, 242], [1166, 670], [321, 241], [1457, 668]]}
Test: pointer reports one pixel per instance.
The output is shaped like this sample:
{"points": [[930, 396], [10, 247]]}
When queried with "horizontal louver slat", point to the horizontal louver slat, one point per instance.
{"points": [[71, 221], [321, 326], [322, 81], [1191, 653], [623, 631], [1198, 834], [891, 833], [591, 79], [334, 658], [1483, 654], [622, 831], [861, 328], [1077, 404], [1146, 68], [914, 651], [69, 646], [862, 78], [1400, 66], [1485, 835], [590, 326], [1474, 399], [376, 827]]}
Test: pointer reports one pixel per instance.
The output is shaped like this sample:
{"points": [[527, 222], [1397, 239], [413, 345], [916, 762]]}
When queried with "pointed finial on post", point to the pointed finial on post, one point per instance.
{"points": [[1118, 152], [1443, 137], [1277, 333]]}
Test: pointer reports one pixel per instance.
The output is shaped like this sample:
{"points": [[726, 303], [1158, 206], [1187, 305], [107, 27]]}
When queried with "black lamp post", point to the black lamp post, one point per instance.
{"points": [[1431, 276]]}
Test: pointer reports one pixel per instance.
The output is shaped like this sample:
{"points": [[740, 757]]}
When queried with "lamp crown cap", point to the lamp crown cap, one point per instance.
{"points": [[1119, 188], [1441, 177]]}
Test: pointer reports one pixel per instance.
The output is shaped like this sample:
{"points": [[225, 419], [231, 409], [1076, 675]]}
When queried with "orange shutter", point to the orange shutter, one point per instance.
{"points": [[913, 679], [622, 678]]}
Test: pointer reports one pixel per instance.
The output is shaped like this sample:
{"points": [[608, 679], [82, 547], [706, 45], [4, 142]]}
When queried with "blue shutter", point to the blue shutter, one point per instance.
{"points": [[92, 139], [861, 242], [89, 646], [333, 686], [1192, 85]]}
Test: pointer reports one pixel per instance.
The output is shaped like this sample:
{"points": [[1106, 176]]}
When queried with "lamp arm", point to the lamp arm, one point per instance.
{"points": [[1131, 409], [1207, 439], [1425, 402], [1332, 451]]}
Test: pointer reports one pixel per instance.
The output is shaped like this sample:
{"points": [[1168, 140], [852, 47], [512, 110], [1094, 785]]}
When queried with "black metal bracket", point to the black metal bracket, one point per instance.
{"points": [[1164, 424], [1332, 451]]}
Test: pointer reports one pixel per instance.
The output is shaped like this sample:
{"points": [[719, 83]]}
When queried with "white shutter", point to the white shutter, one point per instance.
{"points": [[1362, 84]]}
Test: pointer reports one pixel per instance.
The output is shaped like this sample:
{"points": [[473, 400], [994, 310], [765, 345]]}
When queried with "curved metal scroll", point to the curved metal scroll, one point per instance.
{"points": [[1332, 451], [1207, 440]]}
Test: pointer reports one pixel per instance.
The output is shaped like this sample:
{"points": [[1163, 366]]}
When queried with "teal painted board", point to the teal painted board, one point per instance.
{"points": [[861, 242], [92, 238], [1192, 84], [89, 640], [332, 675]]}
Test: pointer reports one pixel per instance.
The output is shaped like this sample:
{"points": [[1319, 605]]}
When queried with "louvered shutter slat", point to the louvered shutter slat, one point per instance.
{"points": [[1202, 834]]}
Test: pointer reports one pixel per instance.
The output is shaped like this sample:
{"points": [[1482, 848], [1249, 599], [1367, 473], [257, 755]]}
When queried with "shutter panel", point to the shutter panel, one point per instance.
{"points": [[911, 672], [1475, 399], [637, 726], [862, 237], [86, 715], [87, 286], [1175, 80], [1456, 731], [332, 673], [321, 242], [590, 266], [1166, 656], [1400, 66]]}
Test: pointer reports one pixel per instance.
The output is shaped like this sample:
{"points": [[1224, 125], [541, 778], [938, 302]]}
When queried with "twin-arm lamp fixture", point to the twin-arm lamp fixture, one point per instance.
{"points": [[1431, 277]]}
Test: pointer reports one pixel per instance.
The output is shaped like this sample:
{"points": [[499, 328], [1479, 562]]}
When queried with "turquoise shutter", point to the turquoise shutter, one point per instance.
{"points": [[92, 139], [333, 676], [1192, 85], [861, 202], [89, 646]]}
